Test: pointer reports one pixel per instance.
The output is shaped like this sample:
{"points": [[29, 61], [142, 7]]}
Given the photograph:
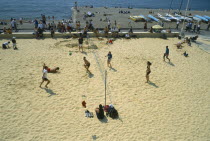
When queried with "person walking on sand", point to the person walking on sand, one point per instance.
{"points": [[44, 77], [80, 40], [87, 64], [109, 55], [166, 54], [148, 71]]}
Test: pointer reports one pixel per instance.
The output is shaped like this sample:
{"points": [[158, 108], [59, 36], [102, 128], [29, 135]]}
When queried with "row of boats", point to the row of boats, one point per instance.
{"points": [[169, 17]]}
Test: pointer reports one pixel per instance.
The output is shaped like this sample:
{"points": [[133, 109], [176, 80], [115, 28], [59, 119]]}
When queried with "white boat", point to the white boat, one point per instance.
{"points": [[183, 18], [172, 17], [196, 19], [163, 18]]}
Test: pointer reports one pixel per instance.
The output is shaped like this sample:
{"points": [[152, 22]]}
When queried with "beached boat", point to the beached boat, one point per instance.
{"points": [[183, 18], [144, 17], [137, 18], [172, 17], [207, 17], [202, 18], [196, 19], [153, 18], [163, 18]]}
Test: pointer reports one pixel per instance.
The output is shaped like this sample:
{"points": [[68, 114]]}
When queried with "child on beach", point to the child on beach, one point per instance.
{"points": [[166, 54], [87, 64], [14, 43], [148, 71], [109, 55], [5, 45], [80, 40], [44, 77]]}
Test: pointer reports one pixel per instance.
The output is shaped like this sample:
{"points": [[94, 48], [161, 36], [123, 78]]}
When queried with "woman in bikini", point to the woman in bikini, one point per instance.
{"points": [[148, 70]]}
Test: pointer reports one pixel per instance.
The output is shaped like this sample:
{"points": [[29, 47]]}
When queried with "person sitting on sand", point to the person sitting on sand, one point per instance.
{"points": [[148, 71], [179, 45], [99, 112], [185, 54], [109, 41], [44, 77], [166, 54], [109, 55], [87, 64], [5, 45], [127, 36], [193, 39], [187, 40], [54, 70]]}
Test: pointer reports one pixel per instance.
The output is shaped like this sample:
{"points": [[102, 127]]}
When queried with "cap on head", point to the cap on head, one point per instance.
{"points": [[13, 37]]}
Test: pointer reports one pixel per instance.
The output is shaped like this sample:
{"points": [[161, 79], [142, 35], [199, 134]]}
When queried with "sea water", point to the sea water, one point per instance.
{"points": [[61, 9]]}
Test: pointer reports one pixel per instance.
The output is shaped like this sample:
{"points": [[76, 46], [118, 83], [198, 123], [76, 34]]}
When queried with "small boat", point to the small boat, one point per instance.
{"points": [[196, 19], [183, 18], [202, 18], [137, 18], [172, 17], [153, 18], [207, 17], [144, 17], [163, 18]]}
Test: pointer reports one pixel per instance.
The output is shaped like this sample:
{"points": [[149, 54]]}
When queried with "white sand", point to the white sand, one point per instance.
{"points": [[175, 106]]}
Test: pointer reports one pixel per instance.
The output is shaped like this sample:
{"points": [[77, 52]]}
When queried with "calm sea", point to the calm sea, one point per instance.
{"points": [[62, 8]]}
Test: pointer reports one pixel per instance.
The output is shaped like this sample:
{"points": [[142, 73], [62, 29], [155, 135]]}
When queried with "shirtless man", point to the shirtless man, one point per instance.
{"points": [[87, 64], [44, 77]]}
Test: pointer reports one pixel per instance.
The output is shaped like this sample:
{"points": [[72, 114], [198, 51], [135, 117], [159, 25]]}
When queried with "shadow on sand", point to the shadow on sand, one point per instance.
{"points": [[83, 52], [153, 84], [170, 63], [113, 69], [90, 75], [94, 137], [104, 120], [49, 91]]}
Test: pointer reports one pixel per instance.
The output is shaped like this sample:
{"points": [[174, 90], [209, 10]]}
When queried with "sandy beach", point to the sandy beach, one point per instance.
{"points": [[173, 106]]}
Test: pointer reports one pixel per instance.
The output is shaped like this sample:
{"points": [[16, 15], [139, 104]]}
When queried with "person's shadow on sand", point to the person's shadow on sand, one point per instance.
{"points": [[170, 63], [90, 75], [49, 91], [104, 120], [153, 84], [94, 137], [113, 69]]}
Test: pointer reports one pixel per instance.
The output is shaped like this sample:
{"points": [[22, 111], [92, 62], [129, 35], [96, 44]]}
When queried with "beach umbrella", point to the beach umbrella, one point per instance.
{"points": [[157, 27]]}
